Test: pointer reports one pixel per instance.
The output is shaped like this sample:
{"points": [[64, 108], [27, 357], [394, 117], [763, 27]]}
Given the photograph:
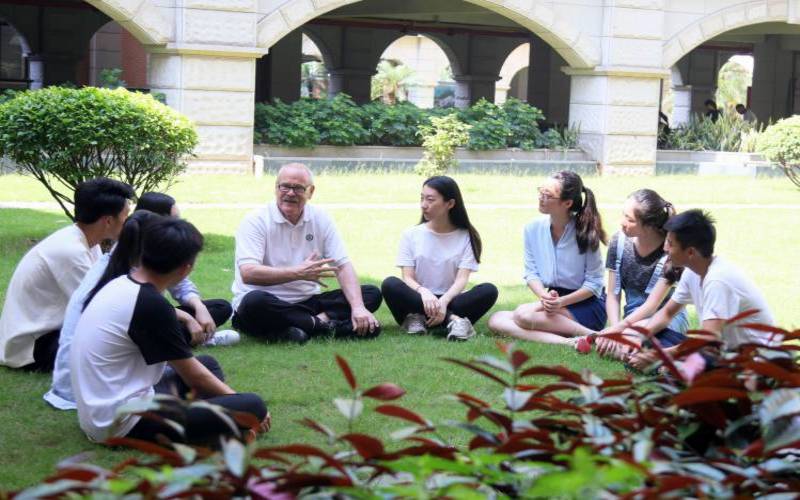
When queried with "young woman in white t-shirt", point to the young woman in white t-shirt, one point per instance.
{"points": [[436, 258]]}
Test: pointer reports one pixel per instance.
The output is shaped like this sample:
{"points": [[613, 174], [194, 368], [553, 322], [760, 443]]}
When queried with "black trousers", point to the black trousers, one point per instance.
{"points": [[471, 304], [45, 349], [219, 309], [201, 426], [262, 314]]}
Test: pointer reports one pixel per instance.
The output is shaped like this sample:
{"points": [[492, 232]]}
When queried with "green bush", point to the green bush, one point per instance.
{"points": [[308, 122], [394, 125], [780, 143], [64, 136], [489, 129], [280, 123], [440, 139], [522, 119], [704, 134], [338, 121]]}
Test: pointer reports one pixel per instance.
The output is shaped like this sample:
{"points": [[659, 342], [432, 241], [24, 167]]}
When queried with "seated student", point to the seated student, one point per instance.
{"points": [[45, 278], [718, 290], [283, 251], [199, 316], [563, 267], [129, 333], [637, 265], [436, 258]]}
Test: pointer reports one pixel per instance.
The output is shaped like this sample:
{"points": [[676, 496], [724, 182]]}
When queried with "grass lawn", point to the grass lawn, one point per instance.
{"points": [[301, 381]]}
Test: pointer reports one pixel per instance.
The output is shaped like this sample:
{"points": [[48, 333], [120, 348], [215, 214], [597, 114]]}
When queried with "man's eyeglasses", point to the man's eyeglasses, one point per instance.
{"points": [[297, 188], [544, 195]]}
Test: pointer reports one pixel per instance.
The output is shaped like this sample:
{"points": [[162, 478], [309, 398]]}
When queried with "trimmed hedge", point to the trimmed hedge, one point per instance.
{"points": [[340, 122]]}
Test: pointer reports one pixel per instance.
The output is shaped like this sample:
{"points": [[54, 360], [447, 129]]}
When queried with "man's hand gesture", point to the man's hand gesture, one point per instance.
{"points": [[314, 269]]}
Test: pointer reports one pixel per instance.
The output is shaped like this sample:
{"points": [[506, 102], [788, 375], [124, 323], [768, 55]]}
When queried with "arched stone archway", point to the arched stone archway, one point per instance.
{"points": [[574, 46], [706, 28], [146, 21]]}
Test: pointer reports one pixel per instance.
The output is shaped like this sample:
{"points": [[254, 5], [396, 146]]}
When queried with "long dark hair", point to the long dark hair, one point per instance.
{"points": [[128, 250], [448, 188], [158, 203], [652, 210], [588, 224]]}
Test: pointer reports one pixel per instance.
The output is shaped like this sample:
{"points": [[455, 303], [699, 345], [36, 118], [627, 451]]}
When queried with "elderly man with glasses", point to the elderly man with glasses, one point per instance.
{"points": [[283, 252]]}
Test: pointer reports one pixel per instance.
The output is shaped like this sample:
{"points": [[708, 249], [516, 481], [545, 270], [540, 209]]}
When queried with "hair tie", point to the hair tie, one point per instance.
{"points": [[667, 205]]}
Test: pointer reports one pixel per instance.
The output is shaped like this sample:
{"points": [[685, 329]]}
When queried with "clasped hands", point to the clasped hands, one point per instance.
{"points": [[435, 307], [551, 302]]}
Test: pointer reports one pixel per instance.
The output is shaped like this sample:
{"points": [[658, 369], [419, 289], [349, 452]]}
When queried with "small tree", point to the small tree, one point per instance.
{"points": [[780, 143], [63, 137], [440, 140]]}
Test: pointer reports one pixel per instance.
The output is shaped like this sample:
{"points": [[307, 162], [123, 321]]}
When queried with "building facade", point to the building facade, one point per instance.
{"points": [[599, 65]]}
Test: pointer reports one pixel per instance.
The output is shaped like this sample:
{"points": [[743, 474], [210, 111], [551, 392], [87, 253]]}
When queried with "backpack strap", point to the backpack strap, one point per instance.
{"points": [[658, 272], [618, 262]]}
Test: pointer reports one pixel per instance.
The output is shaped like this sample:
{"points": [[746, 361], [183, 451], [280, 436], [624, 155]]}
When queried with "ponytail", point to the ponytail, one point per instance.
{"points": [[127, 251], [589, 231], [651, 209], [589, 226]]}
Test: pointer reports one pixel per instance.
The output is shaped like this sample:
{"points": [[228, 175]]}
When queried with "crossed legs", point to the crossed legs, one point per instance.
{"points": [[532, 322]]}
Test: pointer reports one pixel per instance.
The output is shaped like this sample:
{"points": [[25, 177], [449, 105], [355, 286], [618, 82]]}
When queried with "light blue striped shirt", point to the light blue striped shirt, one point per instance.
{"points": [[561, 265]]}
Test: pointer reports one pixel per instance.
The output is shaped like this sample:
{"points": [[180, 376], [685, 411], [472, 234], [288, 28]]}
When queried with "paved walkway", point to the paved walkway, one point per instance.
{"points": [[48, 205]]}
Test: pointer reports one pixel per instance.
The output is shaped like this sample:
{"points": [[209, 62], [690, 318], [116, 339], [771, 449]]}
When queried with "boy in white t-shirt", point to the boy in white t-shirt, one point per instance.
{"points": [[46, 277], [718, 290]]}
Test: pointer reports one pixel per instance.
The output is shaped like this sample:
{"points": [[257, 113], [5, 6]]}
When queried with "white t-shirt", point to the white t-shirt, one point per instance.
{"points": [[39, 290], [265, 237], [122, 342], [436, 257], [722, 294]]}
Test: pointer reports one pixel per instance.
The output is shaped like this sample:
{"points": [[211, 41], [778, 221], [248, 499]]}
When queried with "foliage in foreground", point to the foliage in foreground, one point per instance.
{"points": [[340, 122], [734, 432], [780, 143], [64, 136]]}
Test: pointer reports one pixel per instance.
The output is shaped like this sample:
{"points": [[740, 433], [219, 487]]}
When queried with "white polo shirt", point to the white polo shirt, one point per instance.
{"points": [[37, 296], [723, 293], [265, 237]]}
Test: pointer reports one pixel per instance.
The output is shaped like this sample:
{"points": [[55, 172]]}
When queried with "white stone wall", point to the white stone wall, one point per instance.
{"points": [[203, 54]]}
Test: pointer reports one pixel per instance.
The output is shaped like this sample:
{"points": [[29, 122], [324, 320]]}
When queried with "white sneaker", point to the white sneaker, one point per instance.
{"points": [[223, 337], [414, 324], [460, 329]]}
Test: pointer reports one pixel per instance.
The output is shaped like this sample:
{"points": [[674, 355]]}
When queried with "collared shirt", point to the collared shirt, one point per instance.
{"points": [[561, 264], [266, 238], [37, 296]]}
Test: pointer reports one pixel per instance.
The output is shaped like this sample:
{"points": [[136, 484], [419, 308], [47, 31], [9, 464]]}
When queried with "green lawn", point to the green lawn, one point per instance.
{"points": [[301, 381]]}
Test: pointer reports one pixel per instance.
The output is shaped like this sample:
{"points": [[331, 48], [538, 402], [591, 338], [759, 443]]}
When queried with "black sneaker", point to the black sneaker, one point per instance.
{"points": [[344, 329], [292, 334]]}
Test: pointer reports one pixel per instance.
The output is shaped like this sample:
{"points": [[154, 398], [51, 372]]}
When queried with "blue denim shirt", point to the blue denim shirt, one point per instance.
{"points": [[561, 264]]}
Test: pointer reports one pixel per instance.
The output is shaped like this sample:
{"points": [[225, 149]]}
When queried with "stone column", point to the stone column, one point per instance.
{"points": [[615, 104], [208, 74], [471, 88], [278, 73], [357, 83], [681, 105], [617, 114], [217, 93]]}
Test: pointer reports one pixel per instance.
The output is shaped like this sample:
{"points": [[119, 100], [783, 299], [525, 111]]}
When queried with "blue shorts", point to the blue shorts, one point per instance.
{"points": [[590, 313]]}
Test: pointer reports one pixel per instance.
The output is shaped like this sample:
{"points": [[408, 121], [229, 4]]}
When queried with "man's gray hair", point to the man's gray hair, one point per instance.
{"points": [[299, 165]]}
